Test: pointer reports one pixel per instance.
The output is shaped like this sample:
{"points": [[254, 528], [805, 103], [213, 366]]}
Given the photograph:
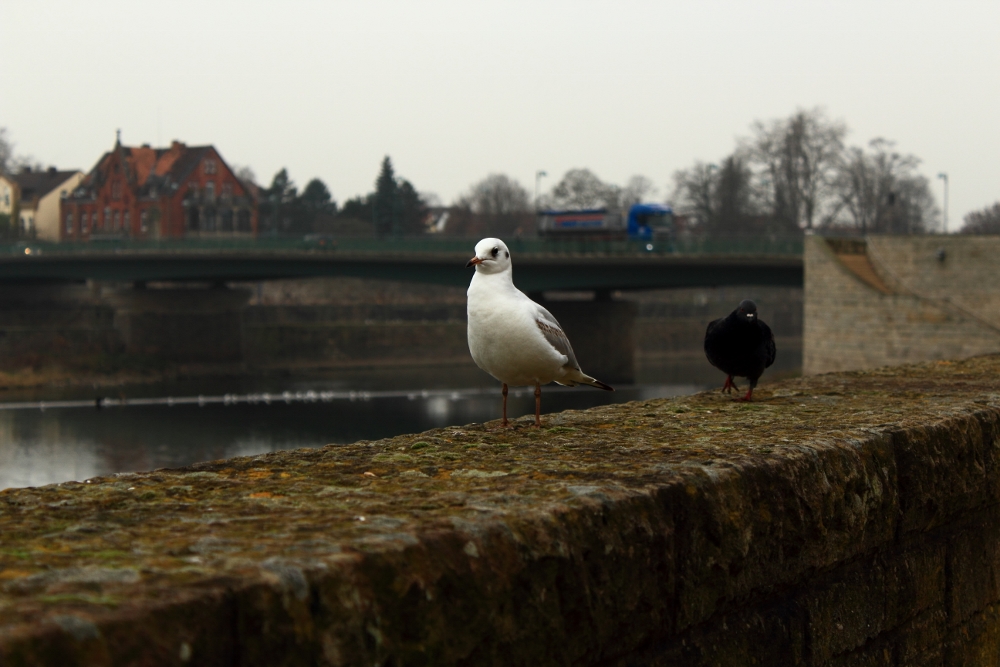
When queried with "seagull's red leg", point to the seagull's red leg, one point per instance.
{"points": [[538, 405], [504, 392]]}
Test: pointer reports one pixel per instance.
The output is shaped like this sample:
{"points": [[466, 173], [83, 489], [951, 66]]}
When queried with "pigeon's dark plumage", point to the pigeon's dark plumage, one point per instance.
{"points": [[740, 345]]}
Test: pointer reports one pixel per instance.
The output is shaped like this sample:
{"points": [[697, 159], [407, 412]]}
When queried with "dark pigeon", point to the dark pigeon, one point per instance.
{"points": [[740, 345]]}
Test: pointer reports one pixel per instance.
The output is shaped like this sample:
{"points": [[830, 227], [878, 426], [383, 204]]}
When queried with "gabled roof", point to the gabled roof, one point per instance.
{"points": [[147, 167], [40, 183]]}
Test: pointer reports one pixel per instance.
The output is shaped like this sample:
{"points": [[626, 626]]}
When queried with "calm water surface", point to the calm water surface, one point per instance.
{"points": [[247, 416]]}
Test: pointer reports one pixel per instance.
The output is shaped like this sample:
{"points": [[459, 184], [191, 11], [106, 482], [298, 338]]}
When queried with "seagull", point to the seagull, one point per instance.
{"points": [[513, 338], [740, 345]]}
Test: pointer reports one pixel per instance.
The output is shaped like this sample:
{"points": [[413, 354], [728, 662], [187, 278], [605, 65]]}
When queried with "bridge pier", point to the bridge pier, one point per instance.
{"points": [[602, 334], [181, 324]]}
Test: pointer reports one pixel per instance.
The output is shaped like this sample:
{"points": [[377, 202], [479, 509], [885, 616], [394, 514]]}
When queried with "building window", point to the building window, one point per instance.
{"points": [[210, 191], [107, 217], [83, 222], [193, 190], [128, 221], [118, 220], [227, 190], [209, 166], [69, 224], [116, 190]]}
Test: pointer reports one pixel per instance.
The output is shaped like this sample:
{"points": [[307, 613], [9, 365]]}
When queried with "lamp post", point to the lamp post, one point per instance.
{"points": [[944, 176], [538, 179]]}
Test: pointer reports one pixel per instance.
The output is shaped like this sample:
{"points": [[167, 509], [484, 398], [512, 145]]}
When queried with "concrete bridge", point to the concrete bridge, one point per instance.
{"points": [[538, 265]]}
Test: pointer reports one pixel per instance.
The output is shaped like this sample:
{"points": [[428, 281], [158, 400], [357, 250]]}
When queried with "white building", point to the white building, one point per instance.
{"points": [[31, 199]]}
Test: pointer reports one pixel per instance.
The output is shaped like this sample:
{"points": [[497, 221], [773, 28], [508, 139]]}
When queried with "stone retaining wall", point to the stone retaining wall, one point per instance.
{"points": [[894, 300], [843, 519]]}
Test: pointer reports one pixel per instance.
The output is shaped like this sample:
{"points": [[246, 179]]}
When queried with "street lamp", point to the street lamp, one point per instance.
{"points": [[944, 177], [538, 179]]}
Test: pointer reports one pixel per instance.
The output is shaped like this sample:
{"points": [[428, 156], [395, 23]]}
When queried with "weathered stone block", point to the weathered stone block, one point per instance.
{"points": [[691, 531]]}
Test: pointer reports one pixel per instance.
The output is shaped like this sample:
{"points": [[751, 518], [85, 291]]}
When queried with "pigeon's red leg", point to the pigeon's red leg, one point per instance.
{"points": [[504, 392], [747, 397], [538, 405], [729, 385]]}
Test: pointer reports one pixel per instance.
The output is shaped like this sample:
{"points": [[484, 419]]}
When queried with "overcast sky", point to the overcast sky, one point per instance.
{"points": [[455, 90]]}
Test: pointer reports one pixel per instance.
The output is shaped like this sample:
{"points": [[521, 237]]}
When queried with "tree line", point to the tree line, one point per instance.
{"points": [[797, 173], [788, 175]]}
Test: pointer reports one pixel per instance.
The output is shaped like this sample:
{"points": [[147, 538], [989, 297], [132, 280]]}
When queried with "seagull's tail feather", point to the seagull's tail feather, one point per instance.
{"points": [[575, 376], [597, 383]]}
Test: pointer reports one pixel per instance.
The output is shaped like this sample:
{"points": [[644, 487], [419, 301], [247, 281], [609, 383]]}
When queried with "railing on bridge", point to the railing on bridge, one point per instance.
{"points": [[757, 245]]}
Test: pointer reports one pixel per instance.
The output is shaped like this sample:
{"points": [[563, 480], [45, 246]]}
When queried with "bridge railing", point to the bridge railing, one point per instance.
{"points": [[777, 245]]}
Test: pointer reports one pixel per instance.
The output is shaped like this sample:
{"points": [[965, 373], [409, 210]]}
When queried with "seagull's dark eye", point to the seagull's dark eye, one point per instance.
{"points": [[495, 251]]}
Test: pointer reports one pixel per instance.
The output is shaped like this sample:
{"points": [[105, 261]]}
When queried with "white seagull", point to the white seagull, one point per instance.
{"points": [[513, 338]]}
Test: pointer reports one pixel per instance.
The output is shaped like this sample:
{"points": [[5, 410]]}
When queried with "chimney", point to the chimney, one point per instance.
{"points": [[52, 170], [177, 145]]}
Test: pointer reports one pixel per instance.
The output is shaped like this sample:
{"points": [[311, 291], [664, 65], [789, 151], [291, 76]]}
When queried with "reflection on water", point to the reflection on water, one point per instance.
{"points": [[52, 445], [75, 443]]}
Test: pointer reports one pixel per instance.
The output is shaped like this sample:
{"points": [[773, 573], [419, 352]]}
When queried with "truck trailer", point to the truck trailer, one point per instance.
{"points": [[643, 222]]}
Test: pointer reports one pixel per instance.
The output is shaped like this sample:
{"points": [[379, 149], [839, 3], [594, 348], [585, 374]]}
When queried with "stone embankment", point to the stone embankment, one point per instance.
{"points": [[847, 519]]}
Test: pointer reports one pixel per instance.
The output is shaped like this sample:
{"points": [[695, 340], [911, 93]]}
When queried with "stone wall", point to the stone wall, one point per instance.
{"points": [[841, 519], [891, 300]]}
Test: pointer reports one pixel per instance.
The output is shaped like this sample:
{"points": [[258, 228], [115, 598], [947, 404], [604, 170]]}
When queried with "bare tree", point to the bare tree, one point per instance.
{"points": [[497, 205], [244, 173], [882, 193], [6, 152], [986, 221], [797, 160], [734, 211], [694, 191], [581, 188], [637, 190]]}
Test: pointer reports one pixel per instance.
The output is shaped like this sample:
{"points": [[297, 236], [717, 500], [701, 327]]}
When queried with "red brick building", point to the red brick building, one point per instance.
{"points": [[159, 193]]}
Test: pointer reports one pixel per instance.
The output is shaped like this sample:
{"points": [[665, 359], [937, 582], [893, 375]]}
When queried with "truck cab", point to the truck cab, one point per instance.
{"points": [[650, 222]]}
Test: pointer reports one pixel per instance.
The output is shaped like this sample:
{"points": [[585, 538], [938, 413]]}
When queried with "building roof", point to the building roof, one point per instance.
{"points": [[148, 168], [40, 183]]}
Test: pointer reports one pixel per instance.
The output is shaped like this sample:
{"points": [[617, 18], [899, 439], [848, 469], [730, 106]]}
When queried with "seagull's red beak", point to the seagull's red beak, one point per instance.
{"points": [[473, 262]]}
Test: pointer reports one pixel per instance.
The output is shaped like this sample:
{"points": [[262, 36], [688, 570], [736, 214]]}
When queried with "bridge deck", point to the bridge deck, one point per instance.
{"points": [[539, 265]]}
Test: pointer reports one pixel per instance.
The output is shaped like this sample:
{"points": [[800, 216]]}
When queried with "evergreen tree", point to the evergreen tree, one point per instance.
{"points": [[386, 213]]}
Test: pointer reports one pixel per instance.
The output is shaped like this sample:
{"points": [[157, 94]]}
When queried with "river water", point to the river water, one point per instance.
{"points": [[49, 436]]}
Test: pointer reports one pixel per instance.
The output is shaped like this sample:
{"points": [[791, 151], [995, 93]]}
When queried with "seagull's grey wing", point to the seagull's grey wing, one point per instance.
{"points": [[550, 328]]}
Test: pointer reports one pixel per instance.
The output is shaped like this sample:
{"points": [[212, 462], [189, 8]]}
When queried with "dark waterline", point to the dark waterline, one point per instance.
{"points": [[44, 446]]}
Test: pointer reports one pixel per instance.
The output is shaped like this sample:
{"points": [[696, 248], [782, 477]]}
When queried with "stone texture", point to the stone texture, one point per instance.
{"points": [[935, 310], [839, 520]]}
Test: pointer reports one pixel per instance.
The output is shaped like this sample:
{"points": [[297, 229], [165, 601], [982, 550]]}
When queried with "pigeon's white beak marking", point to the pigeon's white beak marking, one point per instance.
{"points": [[473, 262]]}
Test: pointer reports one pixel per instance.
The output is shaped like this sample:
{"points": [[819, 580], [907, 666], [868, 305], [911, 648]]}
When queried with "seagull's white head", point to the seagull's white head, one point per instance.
{"points": [[492, 256]]}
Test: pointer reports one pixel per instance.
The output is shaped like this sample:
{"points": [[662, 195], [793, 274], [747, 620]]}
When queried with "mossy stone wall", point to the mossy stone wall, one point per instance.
{"points": [[843, 519]]}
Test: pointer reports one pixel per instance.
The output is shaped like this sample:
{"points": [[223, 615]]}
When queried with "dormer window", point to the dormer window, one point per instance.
{"points": [[209, 166]]}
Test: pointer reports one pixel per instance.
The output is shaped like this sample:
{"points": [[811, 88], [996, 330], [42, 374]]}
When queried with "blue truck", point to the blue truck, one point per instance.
{"points": [[650, 223]]}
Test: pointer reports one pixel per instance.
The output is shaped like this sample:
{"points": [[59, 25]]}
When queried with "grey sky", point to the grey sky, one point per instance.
{"points": [[456, 90]]}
